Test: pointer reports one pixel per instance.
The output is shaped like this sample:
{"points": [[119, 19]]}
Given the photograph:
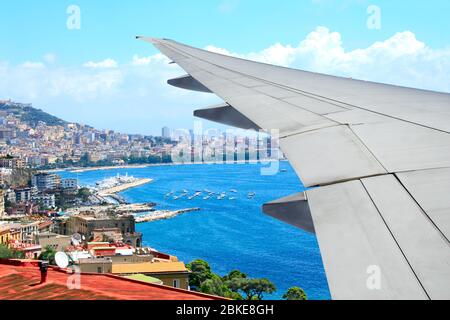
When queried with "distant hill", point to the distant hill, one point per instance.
{"points": [[29, 114]]}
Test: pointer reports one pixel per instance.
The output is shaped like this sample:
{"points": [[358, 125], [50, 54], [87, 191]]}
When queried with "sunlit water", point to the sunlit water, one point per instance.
{"points": [[229, 234]]}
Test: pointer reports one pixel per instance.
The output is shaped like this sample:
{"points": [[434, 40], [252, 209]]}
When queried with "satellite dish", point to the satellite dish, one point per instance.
{"points": [[62, 260], [76, 239]]}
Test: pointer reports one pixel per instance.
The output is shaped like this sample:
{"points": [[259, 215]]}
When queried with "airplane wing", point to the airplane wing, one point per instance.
{"points": [[377, 155]]}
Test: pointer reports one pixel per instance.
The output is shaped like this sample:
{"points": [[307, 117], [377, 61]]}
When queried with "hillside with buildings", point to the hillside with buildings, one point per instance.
{"points": [[29, 115], [37, 139]]}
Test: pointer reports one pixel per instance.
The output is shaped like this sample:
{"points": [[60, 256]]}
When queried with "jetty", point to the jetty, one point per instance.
{"points": [[163, 215], [124, 186]]}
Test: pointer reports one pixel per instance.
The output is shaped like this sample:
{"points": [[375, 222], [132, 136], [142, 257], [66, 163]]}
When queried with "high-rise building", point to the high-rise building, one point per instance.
{"points": [[2, 203], [45, 181], [166, 133]]}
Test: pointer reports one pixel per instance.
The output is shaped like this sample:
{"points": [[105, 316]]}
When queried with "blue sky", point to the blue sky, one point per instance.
{"points": [[43, 62]]}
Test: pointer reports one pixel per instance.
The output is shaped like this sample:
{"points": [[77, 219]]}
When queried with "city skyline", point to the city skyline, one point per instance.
{"points": [[118, 83]]}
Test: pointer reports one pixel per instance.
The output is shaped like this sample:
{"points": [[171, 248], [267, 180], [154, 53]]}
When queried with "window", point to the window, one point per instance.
{"points": [[99, 269], [176, 283]]}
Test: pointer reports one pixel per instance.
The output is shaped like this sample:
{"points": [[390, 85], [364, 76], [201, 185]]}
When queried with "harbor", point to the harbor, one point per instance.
{"points": [[218, 233]]}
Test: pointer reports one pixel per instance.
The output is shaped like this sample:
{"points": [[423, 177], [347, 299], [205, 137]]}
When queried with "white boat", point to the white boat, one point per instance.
{"points": [[169, 194], [206, 198], [232, 198], [233, 190]]}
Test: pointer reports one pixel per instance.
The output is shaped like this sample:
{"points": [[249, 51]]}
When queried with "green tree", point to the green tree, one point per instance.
{"points": [[234, 274], [7, 253], [200, 272], [84, 194], [48, 255], [253, 289], [216, 286], [295, 293]]}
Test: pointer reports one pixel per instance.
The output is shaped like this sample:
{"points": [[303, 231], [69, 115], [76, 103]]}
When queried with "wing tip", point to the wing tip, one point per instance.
{"points": [[148, 39]]}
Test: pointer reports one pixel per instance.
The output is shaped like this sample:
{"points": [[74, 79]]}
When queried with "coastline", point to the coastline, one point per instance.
{"points": [[142, 166]]}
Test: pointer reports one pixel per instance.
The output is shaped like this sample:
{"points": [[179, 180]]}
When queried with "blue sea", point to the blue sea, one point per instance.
{"points": [[229, 234]]}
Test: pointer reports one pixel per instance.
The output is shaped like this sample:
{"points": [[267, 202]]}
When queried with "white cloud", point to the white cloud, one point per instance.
{"points": [[99, 93], [32, 65], [401, 59], [50, 58], [227, 6], [145, 61], [105, 64]]}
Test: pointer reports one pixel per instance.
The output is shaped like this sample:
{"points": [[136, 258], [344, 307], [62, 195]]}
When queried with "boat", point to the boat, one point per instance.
{"points": [[206, 198], [251, 195], [233, 190], [169, 194], [232, 198]]}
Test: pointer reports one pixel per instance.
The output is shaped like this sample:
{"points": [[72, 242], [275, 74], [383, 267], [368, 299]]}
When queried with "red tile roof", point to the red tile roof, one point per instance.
{"points": [[19, 280]]}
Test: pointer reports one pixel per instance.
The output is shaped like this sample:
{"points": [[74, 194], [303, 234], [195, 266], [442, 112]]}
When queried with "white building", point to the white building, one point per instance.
{"points": [[47, 201], [69, 183]]}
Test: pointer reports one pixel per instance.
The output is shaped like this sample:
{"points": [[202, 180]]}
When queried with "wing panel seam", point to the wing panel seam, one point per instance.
{"points": [[396, 242]]}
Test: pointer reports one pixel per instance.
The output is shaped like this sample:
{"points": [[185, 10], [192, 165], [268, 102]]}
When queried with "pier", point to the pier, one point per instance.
{"points": [[163, 215], [123, 187]]}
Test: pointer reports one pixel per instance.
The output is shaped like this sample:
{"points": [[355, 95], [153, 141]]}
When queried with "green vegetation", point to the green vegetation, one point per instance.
{"points": [[235, 285], [295, 293], [32, 115], [153, 159], [84, 194], [48, 255], [7, 253]]}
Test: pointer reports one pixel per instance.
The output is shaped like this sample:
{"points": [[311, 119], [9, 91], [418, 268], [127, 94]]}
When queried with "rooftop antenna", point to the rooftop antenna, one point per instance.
{"points": [[61, 260]]}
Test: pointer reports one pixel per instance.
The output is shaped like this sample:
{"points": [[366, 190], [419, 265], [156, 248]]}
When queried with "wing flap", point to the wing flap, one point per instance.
{"points": [[353, 240], [424, 246], [431, 190]]}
